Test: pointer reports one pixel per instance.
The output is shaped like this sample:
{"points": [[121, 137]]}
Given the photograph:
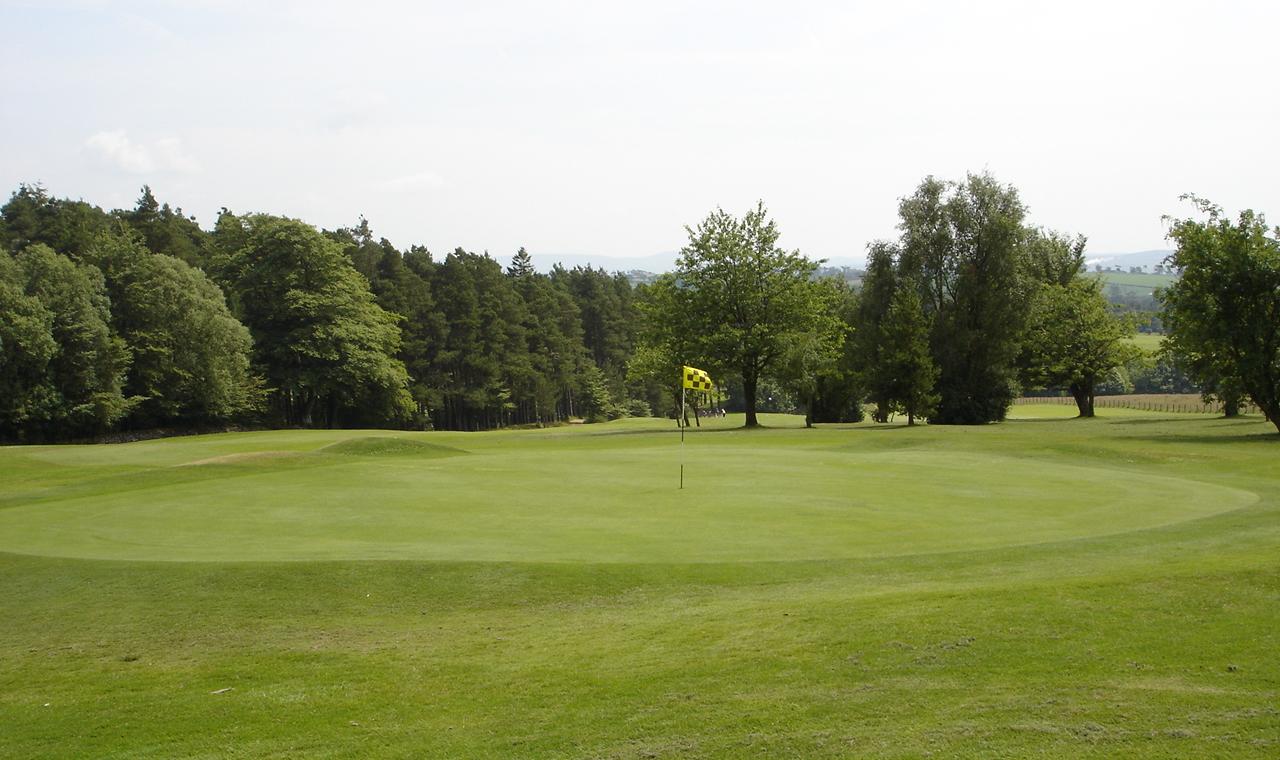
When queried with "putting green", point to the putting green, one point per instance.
{"points": [[771, 496]]}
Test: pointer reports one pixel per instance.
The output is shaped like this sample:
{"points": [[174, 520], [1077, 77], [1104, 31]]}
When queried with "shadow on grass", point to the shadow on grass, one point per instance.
{"points": [[1269, 438], [877, 427], [741, 429]]}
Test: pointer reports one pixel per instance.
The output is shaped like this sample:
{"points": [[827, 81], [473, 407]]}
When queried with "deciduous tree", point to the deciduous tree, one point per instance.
{"points": [[962, 242], [191, 357], [77, 387], [746, 298], [1223, 312], [1072, 340], [321, 340]]}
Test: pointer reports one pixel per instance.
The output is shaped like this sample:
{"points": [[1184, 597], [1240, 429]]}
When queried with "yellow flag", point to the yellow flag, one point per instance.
{"points": [[696, 379]]}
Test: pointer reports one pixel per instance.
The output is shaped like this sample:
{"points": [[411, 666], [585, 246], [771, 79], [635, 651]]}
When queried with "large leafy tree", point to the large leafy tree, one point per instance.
{"points": [[191, 357], [1073, 341], [811, 361], [63, 366], [1223, 313], [325, 346], [963, 243], [26, 348], [666, 342], [745, 300]]}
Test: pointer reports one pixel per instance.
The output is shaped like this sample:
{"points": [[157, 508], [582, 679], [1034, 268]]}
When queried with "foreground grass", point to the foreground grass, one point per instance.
{"points": [[841, 591]]}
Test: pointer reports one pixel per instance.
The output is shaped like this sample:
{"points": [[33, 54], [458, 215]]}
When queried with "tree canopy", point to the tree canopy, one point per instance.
{"points": [[744, 300], [190, 356], [1073, 341], [63, 367], [324, 345], [1223, 313], [963, 244]]}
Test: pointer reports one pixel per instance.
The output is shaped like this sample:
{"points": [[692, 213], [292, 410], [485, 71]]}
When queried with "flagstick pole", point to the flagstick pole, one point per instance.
{"points": [[683, 423]]}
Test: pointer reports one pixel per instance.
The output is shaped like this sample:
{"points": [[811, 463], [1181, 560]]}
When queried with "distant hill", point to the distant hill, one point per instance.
{"points": [[652, 264], [1136, 273], [1135, 282], [1146, 260], [1134, 291], [645, 269]]}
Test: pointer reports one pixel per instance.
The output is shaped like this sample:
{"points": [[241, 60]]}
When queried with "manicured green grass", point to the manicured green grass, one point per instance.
{"points": [[1046, 586]]}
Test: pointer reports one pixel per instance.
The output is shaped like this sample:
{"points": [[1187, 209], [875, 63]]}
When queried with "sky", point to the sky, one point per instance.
{"points": [[602, 129]]}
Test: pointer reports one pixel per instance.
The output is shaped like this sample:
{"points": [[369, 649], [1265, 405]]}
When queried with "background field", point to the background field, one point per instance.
{"points": [[1134, 284], [1097, 588], [1148, 343]]}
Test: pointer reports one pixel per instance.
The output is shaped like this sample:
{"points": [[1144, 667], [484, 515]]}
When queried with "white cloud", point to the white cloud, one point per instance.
{"points": [[165, 154], [117, 149]]}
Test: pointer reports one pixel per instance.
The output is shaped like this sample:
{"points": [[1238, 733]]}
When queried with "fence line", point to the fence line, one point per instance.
{"points": [[1180, 403]]}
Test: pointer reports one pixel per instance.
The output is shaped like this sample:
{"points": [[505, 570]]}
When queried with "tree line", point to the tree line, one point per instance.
{"points": [[139, 318], [969, 307], [135, 319], [954, 318]]}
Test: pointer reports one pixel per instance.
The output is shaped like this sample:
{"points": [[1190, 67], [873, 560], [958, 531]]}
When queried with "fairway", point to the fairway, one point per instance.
{"points": [[1047, 585]]}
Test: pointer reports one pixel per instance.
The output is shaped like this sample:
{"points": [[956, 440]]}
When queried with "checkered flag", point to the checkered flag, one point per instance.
{"points": [[696, 379]]}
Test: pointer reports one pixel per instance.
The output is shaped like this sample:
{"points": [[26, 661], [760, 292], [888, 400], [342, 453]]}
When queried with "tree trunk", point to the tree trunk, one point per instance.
{"points": [[1272, 413], [1231, 406], [1084, 398], [749, 399], [308, 408], [911, 418]]}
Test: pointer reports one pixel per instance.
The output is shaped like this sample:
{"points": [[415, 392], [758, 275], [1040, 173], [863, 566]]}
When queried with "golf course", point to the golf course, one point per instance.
{"points": [[1044, 586]]}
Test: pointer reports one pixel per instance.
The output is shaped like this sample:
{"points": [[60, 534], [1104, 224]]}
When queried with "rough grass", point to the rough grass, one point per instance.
{"points": [[1081, 588]]}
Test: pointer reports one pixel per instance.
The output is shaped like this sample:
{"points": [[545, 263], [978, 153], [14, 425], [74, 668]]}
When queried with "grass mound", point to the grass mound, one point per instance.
{"points": [[388, 446]]}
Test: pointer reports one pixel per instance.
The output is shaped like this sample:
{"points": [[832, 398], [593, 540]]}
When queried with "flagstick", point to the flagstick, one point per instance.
{"points": [[683, 424]]}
